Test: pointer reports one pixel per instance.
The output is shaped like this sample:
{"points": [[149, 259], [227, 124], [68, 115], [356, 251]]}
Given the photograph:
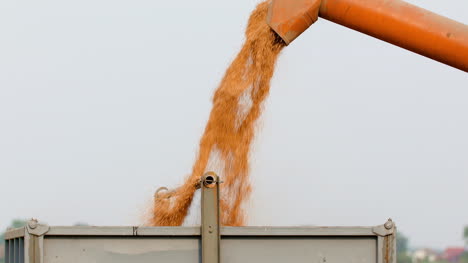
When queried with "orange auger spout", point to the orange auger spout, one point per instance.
{"points": [[393, 21]]}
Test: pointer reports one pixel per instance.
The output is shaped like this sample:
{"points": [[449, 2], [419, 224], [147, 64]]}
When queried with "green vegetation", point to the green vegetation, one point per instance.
{"points": [[402, 243], [14, 224], [403, 258], [464, 258], [402, 248], [465, 235], [403, 255]]}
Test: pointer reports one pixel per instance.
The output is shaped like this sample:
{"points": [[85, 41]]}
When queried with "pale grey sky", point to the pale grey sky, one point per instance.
{"points": [[103, 101]]}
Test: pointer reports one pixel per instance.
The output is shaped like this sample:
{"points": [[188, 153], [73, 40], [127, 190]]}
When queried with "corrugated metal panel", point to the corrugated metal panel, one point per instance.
{"points": [[14, 250], [21, 250], [7, 251], [17, 250]]}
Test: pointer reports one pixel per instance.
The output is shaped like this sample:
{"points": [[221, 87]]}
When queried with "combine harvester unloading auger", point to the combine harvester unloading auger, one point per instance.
{"points": [[394, 21]]}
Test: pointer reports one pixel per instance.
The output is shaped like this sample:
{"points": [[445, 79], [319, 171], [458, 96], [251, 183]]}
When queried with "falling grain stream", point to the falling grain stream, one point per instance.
{"points": [[226, 142]]}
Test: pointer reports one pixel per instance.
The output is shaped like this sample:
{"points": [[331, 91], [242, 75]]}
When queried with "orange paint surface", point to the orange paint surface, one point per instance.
{"points": [[404, 25], [394, 21]]}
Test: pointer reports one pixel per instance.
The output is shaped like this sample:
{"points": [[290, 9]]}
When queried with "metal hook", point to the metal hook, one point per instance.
{"points": [[156, 194]]}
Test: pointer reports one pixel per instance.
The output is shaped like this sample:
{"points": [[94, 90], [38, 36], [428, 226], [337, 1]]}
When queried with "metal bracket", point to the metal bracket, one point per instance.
{"points": [[34, 241], [210, 233], [36, 229], [386, 229]]}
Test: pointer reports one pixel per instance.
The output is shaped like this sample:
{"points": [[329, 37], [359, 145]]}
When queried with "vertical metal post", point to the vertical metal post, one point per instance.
{"points": [[34, 241], [210, 234], [386, 242]]}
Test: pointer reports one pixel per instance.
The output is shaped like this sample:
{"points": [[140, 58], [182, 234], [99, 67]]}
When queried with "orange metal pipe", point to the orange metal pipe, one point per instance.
{"points": [[404, 25], [393, 21]]}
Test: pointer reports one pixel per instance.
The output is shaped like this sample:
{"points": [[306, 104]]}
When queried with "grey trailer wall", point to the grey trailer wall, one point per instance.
{"points": [[45, 244]]}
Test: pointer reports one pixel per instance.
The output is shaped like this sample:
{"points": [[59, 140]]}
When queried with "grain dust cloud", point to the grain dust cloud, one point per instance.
{"points": [[225, 145]]}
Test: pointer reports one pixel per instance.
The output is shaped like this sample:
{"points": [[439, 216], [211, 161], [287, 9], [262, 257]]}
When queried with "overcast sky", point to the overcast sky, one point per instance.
{"points": [[103, 101]]}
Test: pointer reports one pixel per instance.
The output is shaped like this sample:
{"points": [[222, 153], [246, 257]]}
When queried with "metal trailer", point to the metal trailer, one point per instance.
{"points": [[38, 243], [83, 244]]}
